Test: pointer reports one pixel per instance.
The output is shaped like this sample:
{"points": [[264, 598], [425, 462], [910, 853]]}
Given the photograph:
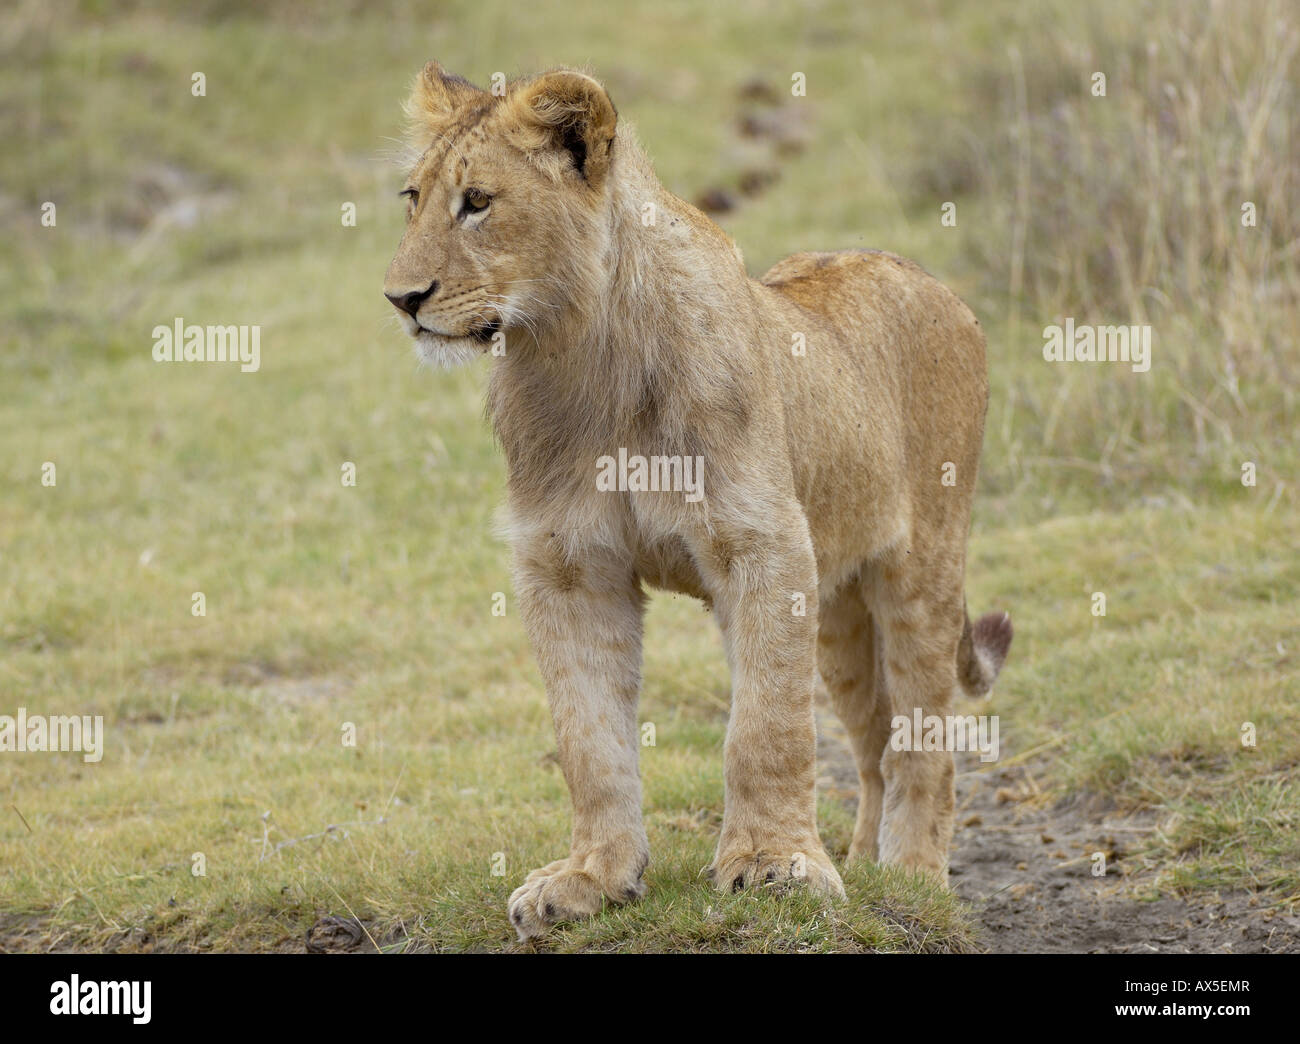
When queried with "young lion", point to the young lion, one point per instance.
{"points": [[834, 410]]}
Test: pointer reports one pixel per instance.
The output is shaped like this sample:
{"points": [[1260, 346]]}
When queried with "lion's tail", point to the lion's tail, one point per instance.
{"points": [[982, 652]]}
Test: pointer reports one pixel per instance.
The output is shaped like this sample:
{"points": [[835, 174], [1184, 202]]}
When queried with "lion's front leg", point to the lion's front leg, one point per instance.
{"points": [[583, 617], [764, 587]]}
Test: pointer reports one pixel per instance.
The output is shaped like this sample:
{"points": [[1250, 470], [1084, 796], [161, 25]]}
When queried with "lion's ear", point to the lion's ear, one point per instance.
{"points": [[567, 112], [436, 97]]}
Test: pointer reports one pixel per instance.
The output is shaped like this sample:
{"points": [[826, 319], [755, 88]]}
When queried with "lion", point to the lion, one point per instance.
{"points": [[835, 409]]}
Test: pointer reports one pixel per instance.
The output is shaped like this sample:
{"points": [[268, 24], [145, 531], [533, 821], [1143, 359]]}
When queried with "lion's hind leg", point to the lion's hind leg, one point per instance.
{"points": [[846, 658], [918, 601]]}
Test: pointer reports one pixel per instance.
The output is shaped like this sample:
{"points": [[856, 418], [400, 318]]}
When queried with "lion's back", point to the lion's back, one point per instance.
{"points": [[887, 309]]}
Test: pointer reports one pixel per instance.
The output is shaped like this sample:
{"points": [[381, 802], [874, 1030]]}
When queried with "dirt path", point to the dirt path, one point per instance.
{"points": [[1026, 868]]}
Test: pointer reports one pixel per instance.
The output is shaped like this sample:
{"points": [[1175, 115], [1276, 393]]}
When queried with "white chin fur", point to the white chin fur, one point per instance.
{"points": [[446, 351]]}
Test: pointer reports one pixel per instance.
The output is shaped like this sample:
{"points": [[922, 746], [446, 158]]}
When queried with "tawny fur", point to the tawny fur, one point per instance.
{"points": [[624, 318]]}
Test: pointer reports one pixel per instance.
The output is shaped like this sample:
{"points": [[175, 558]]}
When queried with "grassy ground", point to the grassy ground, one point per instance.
{"points": [[371, 605]]}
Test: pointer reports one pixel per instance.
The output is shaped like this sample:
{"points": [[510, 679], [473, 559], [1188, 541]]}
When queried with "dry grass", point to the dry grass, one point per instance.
{"points": [[1128, 208]]}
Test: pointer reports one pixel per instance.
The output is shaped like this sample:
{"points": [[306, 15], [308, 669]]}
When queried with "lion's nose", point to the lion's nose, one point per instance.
{"points": [[410, 302]]}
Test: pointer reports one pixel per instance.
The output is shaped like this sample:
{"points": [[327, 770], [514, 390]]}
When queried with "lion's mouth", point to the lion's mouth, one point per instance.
{"points": [[484, 331]]}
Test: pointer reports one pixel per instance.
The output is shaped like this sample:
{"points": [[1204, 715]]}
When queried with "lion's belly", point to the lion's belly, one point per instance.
{"points": [[668, 566], [849, 463], [856, 510]]}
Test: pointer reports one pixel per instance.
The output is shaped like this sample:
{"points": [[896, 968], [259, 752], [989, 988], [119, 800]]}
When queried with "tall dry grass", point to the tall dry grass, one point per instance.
{"points": [[1128, 208]]}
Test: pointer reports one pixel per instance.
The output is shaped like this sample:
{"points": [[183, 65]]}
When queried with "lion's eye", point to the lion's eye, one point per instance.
{"points": [[476, 200], [412, 194]]}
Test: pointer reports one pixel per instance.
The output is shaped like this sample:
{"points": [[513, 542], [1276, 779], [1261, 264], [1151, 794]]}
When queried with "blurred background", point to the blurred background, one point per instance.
{"points": [[329, 604]]}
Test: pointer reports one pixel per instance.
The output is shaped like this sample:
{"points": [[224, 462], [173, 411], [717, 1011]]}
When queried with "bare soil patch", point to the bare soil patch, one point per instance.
{"points": [[1026, 868]]}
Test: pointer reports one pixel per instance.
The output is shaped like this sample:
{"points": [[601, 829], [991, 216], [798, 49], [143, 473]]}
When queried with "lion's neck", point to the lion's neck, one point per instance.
{"points": [[643, 330]]}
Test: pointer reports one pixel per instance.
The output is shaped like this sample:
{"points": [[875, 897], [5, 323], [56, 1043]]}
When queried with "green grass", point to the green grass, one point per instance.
{"points": [[371, 604], [1146, 705]]}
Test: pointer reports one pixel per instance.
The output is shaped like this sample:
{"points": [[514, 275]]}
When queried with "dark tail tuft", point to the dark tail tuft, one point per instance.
{"points": [[982, 652]]}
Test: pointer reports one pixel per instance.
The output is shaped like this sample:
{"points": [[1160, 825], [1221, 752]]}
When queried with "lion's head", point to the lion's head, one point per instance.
{"points": [[506, 207]]}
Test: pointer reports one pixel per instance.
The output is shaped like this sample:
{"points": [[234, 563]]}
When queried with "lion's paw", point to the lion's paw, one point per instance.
{"points": [[777, 866], [563, 891]]}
